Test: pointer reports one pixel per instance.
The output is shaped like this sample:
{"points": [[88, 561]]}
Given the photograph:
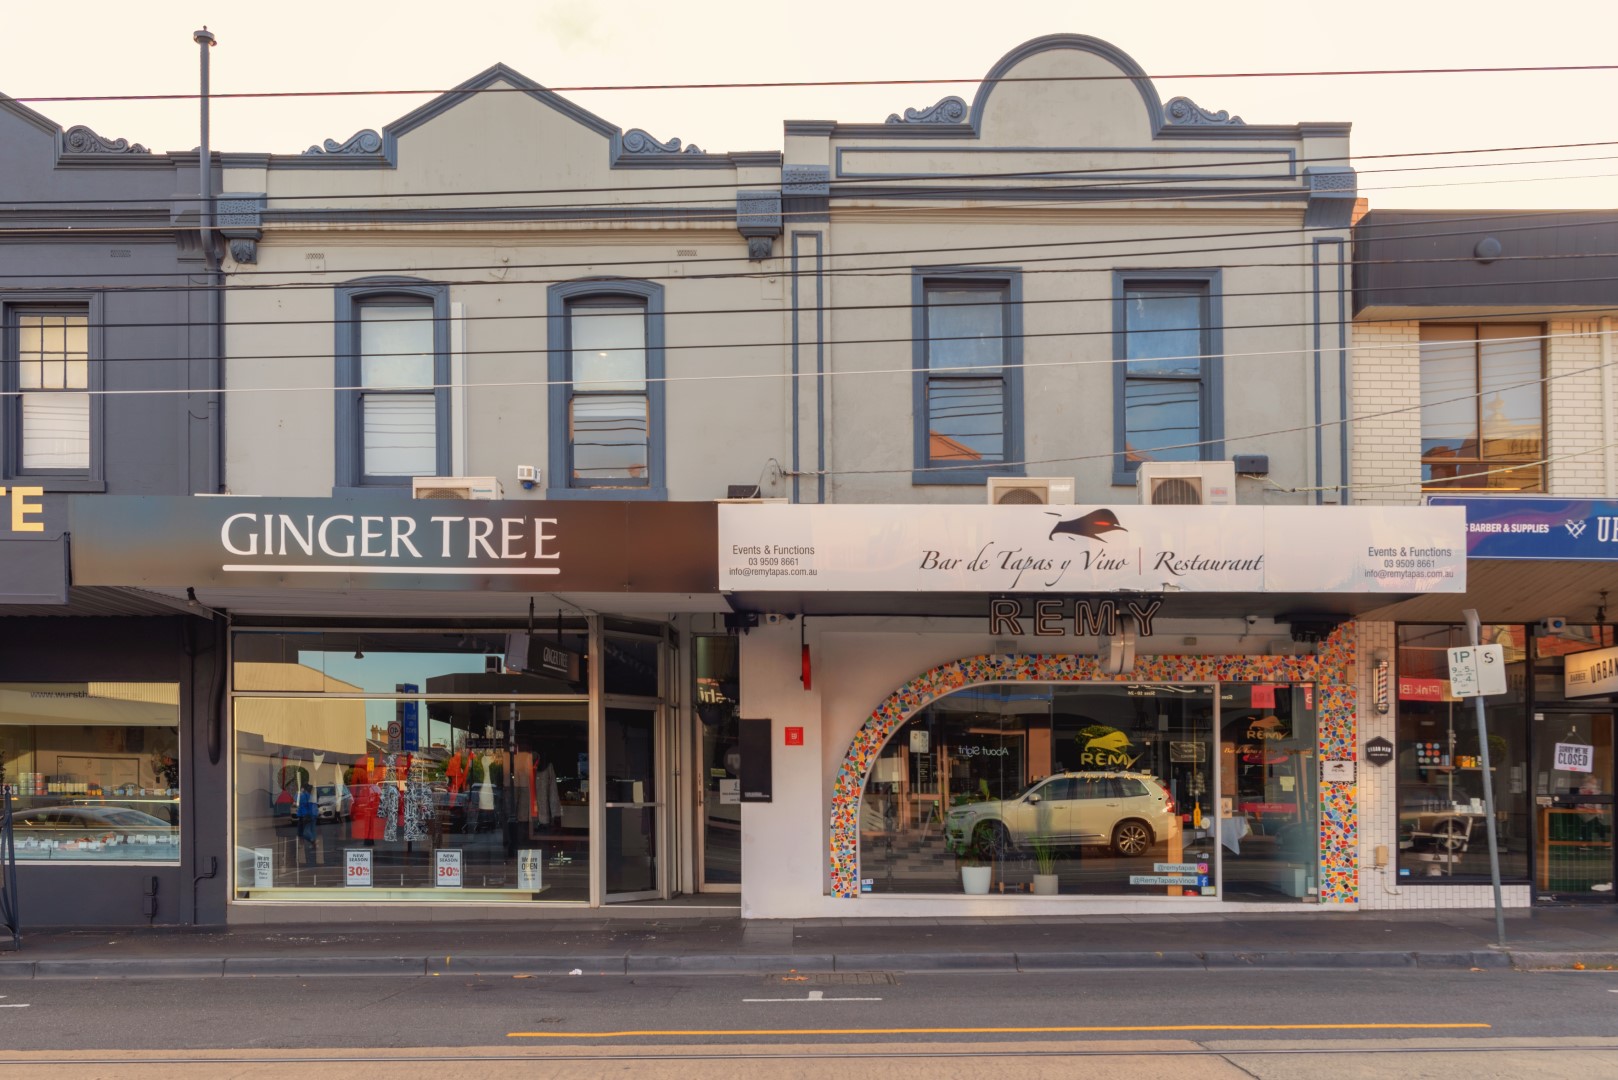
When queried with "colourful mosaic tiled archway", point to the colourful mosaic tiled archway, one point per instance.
{"points": [[1331, 670]]}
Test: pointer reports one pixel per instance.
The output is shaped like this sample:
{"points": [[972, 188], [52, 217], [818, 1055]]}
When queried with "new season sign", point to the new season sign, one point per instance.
{"points": [[1105, 549], [377, 543]]}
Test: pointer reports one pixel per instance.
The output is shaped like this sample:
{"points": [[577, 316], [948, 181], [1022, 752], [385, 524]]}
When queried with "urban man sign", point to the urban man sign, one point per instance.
{"points": [[381, 543]]}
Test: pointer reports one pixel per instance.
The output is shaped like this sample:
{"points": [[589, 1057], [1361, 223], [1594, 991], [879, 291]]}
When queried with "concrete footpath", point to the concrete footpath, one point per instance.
{"points": [[663, 941]]}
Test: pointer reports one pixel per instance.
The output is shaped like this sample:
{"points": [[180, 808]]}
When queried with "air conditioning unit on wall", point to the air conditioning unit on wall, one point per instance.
{"points": [[455, 487], [1187, 483], [1030, 491]]}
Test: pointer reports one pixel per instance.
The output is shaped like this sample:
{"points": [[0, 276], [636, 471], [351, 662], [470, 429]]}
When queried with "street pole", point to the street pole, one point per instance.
{"points": [[1474, 629]]}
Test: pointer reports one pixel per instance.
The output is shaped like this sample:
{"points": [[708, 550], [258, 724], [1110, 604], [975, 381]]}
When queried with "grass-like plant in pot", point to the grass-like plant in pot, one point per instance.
{"points": [[1045, 879]]}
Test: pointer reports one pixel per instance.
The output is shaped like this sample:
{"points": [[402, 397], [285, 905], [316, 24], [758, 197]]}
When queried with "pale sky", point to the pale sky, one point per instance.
{"points": [[106, 47]]}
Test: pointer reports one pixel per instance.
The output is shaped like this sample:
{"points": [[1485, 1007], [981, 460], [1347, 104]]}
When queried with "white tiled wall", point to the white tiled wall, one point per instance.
{"points": [[1379, 807]]}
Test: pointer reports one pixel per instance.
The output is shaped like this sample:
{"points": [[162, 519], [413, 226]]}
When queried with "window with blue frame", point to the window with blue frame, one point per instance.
{"points": [[968, 355], [1166, 371], [393, 370], [50, 405], [606, 395]]}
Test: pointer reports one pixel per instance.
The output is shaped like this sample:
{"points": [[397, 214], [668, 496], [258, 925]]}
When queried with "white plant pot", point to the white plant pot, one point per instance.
{"points": [[1045, 884], [975, 879]]}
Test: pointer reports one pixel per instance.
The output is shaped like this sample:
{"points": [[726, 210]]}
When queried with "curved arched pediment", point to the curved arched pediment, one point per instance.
{"points": [[1065, 90], [1068, 72]]}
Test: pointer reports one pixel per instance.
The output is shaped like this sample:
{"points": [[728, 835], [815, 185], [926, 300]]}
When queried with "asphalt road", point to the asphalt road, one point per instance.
{"points": [[1126, 1024]]}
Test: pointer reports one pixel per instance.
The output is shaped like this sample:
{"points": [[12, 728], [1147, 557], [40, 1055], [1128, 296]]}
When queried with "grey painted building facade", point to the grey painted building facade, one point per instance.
{"points": [[108, 692]]}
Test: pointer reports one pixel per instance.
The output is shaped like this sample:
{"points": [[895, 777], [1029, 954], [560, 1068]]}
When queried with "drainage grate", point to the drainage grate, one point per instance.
{"points": [[833, 978]]}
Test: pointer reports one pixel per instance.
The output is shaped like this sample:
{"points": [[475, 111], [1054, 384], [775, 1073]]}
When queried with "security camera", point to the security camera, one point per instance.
{"points": [[1552, 624]]}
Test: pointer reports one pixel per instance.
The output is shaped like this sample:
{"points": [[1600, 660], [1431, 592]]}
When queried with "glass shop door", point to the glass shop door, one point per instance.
{"points": [[634, 803], [1573, 806]]}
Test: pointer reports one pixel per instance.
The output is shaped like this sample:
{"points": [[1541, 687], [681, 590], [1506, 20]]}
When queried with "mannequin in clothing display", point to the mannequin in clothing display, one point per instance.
{"points": [[547, 798], [455, 770], [486, 792], [365, 825]]}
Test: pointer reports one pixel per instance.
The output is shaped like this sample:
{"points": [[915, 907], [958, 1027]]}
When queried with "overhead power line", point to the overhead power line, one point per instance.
{"points": [[787, 84], [712, 345], [904, 269], [724, 215], [842, 373]]}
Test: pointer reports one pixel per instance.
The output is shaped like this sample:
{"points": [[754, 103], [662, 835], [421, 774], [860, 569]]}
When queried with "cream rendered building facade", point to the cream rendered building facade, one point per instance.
{"points": [[800, 345]]}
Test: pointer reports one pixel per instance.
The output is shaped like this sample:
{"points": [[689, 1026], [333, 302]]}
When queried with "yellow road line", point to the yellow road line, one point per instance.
{"points": [[986, 1030]]}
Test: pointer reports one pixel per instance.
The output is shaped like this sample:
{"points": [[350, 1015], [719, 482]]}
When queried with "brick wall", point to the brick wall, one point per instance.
{"points": [[1573, 409], [1385, 439], [1386, 434]]}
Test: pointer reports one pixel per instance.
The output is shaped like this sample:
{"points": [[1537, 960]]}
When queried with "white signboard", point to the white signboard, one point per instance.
{"points": [[1092, 549], [530, 862], [1591, 673], [1574, 757], [358, 864], [1334, 771], [1477, 670], [730, 791], [447, 863], [263, 868]]}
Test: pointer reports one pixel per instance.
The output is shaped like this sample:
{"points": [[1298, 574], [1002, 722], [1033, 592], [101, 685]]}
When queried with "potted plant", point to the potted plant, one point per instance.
{"points": [[1045, 879], [975, 872]]}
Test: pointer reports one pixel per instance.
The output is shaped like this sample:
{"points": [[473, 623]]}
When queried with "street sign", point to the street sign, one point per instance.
{"points": [[1477, 670]]}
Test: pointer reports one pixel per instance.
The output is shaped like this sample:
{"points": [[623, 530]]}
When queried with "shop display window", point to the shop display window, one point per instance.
{"points": [[1122, 789], [1442, 816], [93, 769], [412, 765], [407, 797]]}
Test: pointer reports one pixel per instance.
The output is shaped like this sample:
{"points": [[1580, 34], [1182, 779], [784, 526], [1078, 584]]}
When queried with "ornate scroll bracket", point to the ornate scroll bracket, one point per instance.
{"points": [[1183, 112], [949, 110], [241, 222], [367, 141], [81, 140], [1332, 192], [636, 141], [758, 218]]}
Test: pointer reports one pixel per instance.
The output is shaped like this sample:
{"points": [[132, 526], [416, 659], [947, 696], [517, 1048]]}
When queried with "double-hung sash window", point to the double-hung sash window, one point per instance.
{"points": [[967, 328], [1167, 370], [604, 339], [393, 369], [966, 379], [609, 409], [397, 401], [53, 384], [1482, 407]]}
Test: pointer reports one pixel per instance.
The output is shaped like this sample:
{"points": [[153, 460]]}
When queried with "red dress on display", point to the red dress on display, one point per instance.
{"points": [[365, 824]]}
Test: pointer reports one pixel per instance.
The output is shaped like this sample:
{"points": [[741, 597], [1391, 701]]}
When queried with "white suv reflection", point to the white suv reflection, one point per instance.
{"points": [[1128, 812]]}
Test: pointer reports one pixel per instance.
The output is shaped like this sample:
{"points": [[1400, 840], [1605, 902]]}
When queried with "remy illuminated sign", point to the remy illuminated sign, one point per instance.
{"points": [[385, 542], [1089, 617]]}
